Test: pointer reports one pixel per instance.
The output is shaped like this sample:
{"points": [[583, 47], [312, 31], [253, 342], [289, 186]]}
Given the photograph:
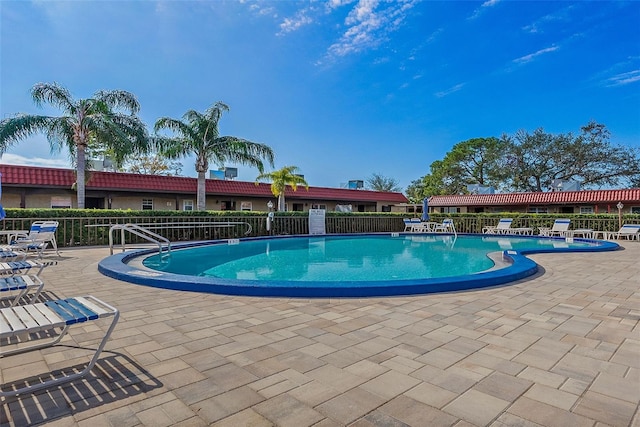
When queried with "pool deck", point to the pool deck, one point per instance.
{"points": [[559, 349]]}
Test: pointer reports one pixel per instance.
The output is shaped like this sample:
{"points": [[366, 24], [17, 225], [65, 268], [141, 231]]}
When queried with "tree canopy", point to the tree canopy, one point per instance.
{"points": [[280, 179], [153, 164], [531, 162], [379, 182], [198, 134], [109, 118]]}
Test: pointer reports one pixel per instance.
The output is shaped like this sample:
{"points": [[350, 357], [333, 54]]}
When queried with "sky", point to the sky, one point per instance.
{"points": [[342, 89]]}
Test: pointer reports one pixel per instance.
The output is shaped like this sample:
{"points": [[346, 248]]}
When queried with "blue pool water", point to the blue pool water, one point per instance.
{"points": [[342, 265], [339, 258]]}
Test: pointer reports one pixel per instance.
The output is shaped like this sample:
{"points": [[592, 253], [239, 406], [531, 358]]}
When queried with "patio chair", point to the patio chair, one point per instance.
{"points": [[410, 223], [41, 234], [24, 326], [630, 231], [416, 224], [446, 227], [503, 227], [21, 285], [13, 268], [9, 254], [560, 227]]}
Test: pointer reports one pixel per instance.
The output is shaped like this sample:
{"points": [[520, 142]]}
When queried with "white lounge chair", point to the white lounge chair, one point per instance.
{"points": [[20, 286], [41, 234], [9, 254], [416, 224], [560, 227], [446, 227], [503, 227], [24, 323], [629, 231], [22, 267]]}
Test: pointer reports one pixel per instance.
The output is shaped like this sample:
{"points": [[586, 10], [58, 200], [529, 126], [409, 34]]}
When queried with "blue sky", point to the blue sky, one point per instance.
{"points": [[342, 89]]}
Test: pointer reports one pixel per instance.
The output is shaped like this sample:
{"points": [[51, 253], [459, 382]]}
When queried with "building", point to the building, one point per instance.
{"points": [[569, 202], [35, 187]]}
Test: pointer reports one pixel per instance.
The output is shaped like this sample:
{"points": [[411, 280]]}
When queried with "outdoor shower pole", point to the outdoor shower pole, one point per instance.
{"points": [[620, 206]]}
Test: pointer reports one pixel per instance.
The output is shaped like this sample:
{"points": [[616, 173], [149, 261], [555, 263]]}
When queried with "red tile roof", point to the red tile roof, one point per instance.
{"points": [[550, 198], [20, 176]]}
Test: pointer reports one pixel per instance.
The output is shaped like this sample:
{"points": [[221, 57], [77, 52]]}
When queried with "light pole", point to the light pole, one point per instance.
{"points": [[270, 216], [619, 206]]}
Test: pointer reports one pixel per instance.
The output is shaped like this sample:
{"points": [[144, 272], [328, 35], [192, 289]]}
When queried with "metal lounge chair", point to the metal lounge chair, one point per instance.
{"points": [[560, 227], [629, 231], [9, 254], [446, 227], [23, 323], [21, 285], [41, 234], [503, 227], [13, 268]]}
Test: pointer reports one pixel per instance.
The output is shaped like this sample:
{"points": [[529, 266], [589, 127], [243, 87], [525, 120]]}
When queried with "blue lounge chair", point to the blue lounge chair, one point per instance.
{"points": [[41, 234], [23, 324]]}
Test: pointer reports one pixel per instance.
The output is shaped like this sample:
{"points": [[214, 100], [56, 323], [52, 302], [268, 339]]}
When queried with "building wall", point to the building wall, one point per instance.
{"points": [[45, 198], [10, 200]]}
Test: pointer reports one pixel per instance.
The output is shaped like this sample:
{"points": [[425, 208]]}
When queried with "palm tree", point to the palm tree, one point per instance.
{"points": [[279, 181], [198, 134], [83, 121]]}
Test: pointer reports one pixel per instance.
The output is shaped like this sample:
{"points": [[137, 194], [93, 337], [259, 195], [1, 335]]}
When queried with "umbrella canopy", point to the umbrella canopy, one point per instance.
{"points": [[425, 209]]}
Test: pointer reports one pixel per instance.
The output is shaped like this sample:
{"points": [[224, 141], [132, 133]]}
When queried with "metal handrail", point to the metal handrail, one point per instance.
{"points": [[140, 232], [217, 224]]}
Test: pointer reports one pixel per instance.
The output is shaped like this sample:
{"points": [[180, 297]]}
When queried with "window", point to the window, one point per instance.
{"points": [[147, 204], [318, 206], [61, 202], [539, 210], [586, 209], [450, 210], [227, 205], [635, 209], [246, 206], [298, 207], [187, 205]]}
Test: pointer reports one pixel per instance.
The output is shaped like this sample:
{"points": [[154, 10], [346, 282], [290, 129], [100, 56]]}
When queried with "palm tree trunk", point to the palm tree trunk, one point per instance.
{"points": [[81, 160], [202, 195], [281, 202]]}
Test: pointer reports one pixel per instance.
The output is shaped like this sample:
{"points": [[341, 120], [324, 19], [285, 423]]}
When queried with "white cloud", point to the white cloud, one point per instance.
{"points": [[334, 4], [15, 159], [624, 78], [537, 26], [368, 24], [301, 19], [483, 7], [450, 90], [532, 56]]}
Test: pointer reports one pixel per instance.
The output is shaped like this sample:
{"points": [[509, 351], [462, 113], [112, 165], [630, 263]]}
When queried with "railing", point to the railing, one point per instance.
{"points": [[93, 231], [141, 232]]}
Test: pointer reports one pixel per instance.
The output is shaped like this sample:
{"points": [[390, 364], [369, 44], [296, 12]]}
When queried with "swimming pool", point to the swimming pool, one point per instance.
{"points": [[341, 265]]}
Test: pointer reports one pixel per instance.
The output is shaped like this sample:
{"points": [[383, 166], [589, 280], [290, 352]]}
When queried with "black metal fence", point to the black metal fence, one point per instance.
{"points": [[94, 230]]}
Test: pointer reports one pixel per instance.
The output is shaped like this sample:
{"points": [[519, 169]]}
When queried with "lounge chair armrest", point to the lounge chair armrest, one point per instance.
{"points": [[17, 236]]}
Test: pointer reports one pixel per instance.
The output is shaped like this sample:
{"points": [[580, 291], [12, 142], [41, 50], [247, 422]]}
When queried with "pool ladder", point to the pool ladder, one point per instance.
{"points": [[142, 232]]}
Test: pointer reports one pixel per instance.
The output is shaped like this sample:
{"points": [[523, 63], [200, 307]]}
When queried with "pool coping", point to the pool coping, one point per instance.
{"points": [[117, 266]]}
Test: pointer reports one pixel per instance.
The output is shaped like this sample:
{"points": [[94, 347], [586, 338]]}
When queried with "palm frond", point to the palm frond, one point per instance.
{"points": [[173, 125], [60, 134], [22, 126], [117, 99], [52, 93]]}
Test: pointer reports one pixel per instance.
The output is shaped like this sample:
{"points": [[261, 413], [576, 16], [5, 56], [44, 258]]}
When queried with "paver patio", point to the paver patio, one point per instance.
{"points": [[559, 349]]}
